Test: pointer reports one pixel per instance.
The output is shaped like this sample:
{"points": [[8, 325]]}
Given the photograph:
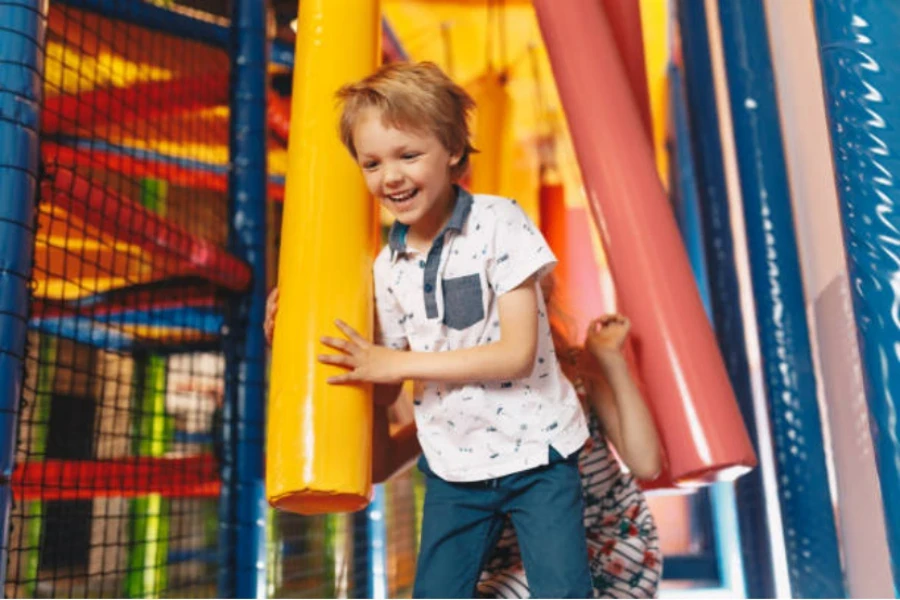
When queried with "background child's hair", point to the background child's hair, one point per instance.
{"points": [[416, 96]]}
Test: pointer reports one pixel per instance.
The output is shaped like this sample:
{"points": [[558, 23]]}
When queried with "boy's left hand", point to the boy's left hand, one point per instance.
{"points": [[364, 361]]}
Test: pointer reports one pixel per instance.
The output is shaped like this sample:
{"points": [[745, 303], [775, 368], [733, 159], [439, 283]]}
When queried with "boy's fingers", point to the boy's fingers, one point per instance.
{"points": [[337, 344], [342, 379], [340, 360], [350, 333]]}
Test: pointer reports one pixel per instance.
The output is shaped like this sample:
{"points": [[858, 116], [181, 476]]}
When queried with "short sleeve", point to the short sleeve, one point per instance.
{"points": [[519, 249], [389, 315]]}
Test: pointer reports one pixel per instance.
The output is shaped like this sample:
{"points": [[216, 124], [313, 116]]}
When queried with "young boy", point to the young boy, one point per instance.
{"points": [[460, 312]]}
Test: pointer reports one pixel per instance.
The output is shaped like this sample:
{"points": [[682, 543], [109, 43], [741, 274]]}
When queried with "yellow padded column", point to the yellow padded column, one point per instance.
{"points": [[492, 99], [655, 22], [320, 436]]}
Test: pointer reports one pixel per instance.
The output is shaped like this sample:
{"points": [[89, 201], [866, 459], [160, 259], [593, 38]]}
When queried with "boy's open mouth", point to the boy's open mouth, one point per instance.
{"points": [[402, 196]]}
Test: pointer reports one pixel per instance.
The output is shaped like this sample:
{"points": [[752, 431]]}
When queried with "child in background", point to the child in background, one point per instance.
{"points": [[623, 544]]}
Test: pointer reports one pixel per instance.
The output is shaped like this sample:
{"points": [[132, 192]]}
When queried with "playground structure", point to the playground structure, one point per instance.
{"points": [[145, 150]]}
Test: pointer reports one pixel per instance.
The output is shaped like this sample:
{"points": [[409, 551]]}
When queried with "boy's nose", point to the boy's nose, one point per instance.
{"points": [[392, 177]]}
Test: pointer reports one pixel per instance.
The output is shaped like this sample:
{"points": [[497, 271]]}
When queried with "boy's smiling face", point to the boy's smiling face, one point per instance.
{"points": [[408, 170]]}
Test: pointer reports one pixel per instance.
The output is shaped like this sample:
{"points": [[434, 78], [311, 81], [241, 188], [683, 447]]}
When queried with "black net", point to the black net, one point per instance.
{"points": [[404, 496], [116, 484], [371, 553]]}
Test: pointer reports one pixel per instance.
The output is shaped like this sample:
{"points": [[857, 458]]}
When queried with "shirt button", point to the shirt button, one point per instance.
{"points": [[429, 288], [421, 264]]}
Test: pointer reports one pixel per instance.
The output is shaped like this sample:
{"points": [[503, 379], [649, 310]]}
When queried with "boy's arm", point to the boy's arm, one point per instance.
{"points": [[511, 357]]}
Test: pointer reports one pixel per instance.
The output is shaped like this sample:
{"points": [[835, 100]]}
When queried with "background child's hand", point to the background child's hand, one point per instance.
{"points": [[363, 360], [606, 335], [271, 311]]}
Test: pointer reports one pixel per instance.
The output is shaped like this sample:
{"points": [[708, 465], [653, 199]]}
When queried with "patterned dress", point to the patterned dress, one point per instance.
{"points": [[623, 545]]}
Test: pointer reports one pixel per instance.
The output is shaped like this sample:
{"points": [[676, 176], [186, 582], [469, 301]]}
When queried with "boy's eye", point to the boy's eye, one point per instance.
{"points": [[370, 165], [411, 155]]}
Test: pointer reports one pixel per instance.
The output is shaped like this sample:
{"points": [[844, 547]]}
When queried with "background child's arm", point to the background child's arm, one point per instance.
{"points": [[511, 357], [617, 400], [394, 446], [385, 394]]}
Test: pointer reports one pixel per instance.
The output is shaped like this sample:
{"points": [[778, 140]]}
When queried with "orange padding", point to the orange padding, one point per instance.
{"points": [[174, 250], [189, 477], [139, 101], [67, 156]]}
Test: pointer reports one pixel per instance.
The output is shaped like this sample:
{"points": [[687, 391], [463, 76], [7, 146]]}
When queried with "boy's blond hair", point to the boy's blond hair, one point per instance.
{"points": [[417, 96]]}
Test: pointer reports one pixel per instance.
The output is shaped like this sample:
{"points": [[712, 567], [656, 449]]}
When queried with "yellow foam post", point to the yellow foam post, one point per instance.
{"points": [[320, 436], [492, 99], [655, 25]]}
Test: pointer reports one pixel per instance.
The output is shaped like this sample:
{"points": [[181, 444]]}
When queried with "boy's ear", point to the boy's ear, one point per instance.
{"points": [[455, 158]]}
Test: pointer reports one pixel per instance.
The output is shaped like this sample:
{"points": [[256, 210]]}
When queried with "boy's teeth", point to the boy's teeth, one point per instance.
{"points": [[401, 197]]}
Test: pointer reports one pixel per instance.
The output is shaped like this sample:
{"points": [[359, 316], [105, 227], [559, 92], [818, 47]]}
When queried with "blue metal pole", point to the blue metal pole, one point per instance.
{"points": [[684, 190], [245, 345], [726, 534], [860, 60], [21, 74], [227, 521], [282, 53], [361, 572], [376, 513], [807, 510], [724, 291], [157, 18]]}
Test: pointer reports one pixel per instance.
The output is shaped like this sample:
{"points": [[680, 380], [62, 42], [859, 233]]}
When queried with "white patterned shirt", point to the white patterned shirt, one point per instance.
{"points": [[447, 300]]}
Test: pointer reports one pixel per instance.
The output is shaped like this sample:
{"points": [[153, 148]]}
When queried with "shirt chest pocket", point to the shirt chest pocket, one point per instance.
{"points": [[463, 305]]}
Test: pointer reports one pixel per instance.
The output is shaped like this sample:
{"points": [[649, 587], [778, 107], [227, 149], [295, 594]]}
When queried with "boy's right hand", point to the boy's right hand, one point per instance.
{"points": [[271, 311]]}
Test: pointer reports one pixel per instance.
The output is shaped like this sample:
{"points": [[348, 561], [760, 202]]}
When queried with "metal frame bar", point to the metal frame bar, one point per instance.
{"points": [[243, 527]]}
